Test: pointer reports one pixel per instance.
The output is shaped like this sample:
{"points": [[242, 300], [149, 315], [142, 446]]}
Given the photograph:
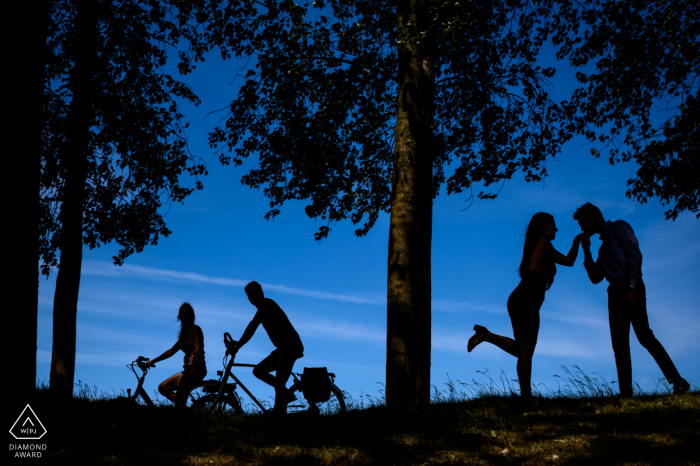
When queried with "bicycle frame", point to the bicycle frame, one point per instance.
{"points": [[224, 378], [230, 350], [139, 389]]}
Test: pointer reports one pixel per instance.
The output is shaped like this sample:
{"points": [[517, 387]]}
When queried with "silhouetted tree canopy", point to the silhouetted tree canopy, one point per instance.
{"points": [[318, 102], [137, 149], [114, 146], [359, 107], [641, 101]]}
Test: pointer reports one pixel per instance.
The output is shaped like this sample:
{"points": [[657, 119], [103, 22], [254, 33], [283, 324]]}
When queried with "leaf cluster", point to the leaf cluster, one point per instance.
{"points": [[318, 102], [494, 114], [640, 101], [138, 148]]}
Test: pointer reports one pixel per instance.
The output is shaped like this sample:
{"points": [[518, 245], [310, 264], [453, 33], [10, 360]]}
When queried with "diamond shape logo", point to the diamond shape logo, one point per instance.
{"points": [[28, 426]]}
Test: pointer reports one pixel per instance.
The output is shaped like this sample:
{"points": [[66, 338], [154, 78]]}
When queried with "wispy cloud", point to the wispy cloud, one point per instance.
{"points": [[571, 348], [577, 320], [456, 342], [106, 269], [447, 305], [110, 358], [150, 273], [341, 330]]}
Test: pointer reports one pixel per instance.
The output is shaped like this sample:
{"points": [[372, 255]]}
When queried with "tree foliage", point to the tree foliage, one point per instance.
{"points": [[137, 144], [113, 144], [641, 100], [318, 102], [359, 107]]}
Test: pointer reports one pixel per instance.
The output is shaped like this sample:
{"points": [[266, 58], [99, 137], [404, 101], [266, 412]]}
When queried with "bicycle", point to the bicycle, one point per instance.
{"points": [[140, 362], [220, 396]]}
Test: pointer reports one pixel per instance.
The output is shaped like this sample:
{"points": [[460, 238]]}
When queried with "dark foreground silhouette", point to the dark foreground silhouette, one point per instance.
{"points": [[620, 263], [191, 341], [537, 270], [648, 429], [288, 346]]}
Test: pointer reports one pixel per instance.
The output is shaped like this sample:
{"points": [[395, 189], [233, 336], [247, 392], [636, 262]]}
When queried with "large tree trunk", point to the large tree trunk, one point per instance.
{"points": [[71, 235], [26, 26], [408, 284]]}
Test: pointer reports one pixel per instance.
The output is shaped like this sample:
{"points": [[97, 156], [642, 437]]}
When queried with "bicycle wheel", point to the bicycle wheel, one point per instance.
{"points": [[201, 398], [334, 405]]}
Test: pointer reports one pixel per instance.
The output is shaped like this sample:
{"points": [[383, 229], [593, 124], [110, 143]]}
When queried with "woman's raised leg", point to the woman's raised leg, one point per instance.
{"points": [[508, 345], [482, 334]]}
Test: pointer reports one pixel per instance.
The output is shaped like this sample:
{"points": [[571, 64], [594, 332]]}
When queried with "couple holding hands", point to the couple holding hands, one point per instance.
{"points": [[619, 261]]}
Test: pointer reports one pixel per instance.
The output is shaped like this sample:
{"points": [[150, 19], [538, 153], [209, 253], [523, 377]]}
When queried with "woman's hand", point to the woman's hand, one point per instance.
{"points": [[584, 239], [150, 363]]}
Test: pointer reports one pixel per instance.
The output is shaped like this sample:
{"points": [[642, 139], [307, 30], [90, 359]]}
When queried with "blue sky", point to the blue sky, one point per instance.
{"points": [[334, 292]]}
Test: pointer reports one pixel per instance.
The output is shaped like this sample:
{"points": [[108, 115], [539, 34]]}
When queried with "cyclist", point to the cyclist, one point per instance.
{"points": [[288, 346], [191, 341]]}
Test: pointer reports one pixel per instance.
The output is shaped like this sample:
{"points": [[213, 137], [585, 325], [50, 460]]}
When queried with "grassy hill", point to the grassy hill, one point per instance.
{"points": [[478, 428]]}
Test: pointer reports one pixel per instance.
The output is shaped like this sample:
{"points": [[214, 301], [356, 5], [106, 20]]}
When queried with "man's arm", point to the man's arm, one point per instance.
{"points": [[595, 271], [630, 245], [250, 330]]}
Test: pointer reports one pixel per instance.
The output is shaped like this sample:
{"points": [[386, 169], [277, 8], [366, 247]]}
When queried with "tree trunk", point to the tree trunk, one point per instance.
{"points": [[26, 27], [71, 235], [408, 284]]}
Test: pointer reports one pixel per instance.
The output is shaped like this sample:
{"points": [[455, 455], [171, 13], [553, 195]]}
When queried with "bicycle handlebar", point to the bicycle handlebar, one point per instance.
{"points": [[140, 362], [230, 344]]}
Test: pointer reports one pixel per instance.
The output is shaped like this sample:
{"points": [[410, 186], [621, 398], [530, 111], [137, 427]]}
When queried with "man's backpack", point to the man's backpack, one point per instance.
{"points": [[316, 384]]}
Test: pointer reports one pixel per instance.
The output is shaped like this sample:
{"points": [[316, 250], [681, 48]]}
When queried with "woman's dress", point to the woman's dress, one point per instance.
{"points": [[525, 301]]}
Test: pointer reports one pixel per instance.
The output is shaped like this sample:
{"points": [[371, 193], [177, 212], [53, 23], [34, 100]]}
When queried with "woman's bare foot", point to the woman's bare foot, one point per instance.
{"points": [[477, 338]]}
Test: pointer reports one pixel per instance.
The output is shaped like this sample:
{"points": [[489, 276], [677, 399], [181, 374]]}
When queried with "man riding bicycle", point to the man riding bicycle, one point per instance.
{"points": [[288, 347]]}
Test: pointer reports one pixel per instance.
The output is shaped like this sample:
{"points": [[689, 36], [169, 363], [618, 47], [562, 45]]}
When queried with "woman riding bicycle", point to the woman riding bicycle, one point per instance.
{"points": [[191, 342]]}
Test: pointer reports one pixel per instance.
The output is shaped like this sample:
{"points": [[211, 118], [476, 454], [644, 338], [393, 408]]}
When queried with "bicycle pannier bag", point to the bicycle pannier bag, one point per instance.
{"points": [[316, 384]]}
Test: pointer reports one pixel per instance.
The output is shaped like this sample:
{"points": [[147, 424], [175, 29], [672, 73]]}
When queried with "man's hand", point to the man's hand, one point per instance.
{"points": [[631, 297], [232, 347]]}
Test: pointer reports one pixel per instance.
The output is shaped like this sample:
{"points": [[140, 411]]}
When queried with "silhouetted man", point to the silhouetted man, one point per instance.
{"points": [[288, 347], [620, 262]]}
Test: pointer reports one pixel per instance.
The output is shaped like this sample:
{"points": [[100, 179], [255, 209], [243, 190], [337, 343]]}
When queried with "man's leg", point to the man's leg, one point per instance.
{"points": [[618, 315], [285, 363], [264, 367], [640, 322]]}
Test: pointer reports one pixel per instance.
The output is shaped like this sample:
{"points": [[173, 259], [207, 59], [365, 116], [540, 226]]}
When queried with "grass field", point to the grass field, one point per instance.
{"points": [[580, 422]]}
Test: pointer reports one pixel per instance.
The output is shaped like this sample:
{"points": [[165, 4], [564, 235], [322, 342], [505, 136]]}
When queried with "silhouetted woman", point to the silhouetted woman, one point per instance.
{"points": [[191, 341], [537, 270]]}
